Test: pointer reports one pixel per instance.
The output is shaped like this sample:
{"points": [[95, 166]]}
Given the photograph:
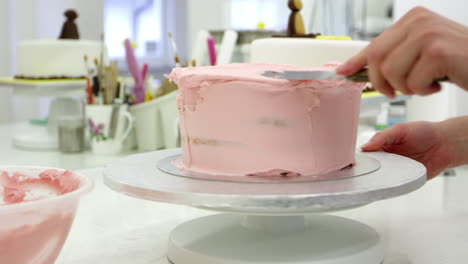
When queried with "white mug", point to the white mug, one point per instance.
{"points": [[109, 126]]}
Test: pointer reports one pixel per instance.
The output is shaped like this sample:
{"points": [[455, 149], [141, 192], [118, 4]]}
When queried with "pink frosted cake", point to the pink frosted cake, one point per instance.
{"points": [[234, 121]]}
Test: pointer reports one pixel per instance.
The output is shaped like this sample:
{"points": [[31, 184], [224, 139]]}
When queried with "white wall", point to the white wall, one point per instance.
{"points": [[455, 9], [452, 101], [33, 19], [5, 70], [206, 15], [50, 17], [215, 14], [378, 8], [21, 17]]}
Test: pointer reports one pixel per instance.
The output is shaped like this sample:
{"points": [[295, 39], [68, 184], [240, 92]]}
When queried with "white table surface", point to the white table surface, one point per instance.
{"points": [[429, 226], [11, 155]]}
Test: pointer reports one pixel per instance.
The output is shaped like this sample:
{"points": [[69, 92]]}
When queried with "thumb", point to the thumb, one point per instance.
{"points": [[354, 64], [385, 138]]}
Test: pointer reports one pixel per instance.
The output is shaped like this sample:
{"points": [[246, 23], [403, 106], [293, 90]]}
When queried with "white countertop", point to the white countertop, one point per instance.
{"points": [[11, 155], [428, 226]]}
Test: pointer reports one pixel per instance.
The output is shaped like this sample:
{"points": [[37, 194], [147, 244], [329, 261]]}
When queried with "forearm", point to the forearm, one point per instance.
{"points": [[455, 132]]}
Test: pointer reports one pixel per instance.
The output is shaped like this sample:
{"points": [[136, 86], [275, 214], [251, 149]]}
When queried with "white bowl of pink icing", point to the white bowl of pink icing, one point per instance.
{"points": [[37, 208]]}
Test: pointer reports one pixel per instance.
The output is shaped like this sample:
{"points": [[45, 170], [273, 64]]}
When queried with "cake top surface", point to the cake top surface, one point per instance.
{"points": [[192, 77], [246, 72], [311, 41]]}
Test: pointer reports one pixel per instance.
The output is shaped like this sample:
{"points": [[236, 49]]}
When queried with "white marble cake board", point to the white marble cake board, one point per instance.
{"points": [[266, 223]]}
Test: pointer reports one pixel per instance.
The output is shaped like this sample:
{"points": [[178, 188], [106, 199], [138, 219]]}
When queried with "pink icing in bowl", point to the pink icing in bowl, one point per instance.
{"points": [[37, 208]]}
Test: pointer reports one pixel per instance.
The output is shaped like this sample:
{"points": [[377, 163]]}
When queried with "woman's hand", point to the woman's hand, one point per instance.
{"points": [[421, 47], [422, 141]]}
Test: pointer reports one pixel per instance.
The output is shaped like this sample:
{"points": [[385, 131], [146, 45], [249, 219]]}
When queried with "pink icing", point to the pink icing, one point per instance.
{"points": [[13, 194], [63, 180], [34, 238], [16, 186], [33, 233], [234, 121]]}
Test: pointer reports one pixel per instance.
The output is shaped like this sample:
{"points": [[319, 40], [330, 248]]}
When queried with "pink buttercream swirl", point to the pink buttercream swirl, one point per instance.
{"points": [[17, 185], [13, 194]]}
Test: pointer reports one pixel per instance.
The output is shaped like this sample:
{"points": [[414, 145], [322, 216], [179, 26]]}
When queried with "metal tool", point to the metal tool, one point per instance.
{"points": [[360, 76]]}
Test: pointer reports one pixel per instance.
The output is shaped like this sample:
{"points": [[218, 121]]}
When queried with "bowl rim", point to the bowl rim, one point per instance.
{"points": [[86, 186]]}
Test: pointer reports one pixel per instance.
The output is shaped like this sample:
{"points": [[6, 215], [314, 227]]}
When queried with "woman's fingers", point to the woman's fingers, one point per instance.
{"points": [[381, 45], [399, 62], [375, 58], [354, 64], [392, 55], [377, 49], [428, 68], [371, 146], [391, 136]]}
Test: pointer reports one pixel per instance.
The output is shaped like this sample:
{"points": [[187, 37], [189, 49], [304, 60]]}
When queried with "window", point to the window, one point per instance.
{"points": [[142, 21], [273, 13]]}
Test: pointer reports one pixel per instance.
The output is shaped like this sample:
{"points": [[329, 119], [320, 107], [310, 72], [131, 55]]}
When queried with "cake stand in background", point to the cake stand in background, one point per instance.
{"points": [[265, 221], [67, 100]]}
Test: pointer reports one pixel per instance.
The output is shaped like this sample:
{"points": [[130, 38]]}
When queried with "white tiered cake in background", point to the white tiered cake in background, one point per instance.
{"points": [[56, 58], [61, 58], [55, 68], [304, 51]]}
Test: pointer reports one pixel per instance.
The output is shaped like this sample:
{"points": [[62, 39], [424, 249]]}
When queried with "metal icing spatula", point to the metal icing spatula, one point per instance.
{"points": [[360, 76]]}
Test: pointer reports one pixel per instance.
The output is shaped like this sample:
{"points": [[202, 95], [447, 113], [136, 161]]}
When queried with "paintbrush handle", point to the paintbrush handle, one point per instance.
{"points": [[363, 76], [144, 71], [132, 61], [211, 50]]}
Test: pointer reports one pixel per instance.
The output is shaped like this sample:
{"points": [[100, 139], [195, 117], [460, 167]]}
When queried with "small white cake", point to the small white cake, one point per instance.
{"points": [[303, 51], [56, 58]]}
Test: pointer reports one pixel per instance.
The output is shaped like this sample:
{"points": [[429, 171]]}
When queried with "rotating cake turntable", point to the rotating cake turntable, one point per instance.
{"points": [[264, 220]]}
